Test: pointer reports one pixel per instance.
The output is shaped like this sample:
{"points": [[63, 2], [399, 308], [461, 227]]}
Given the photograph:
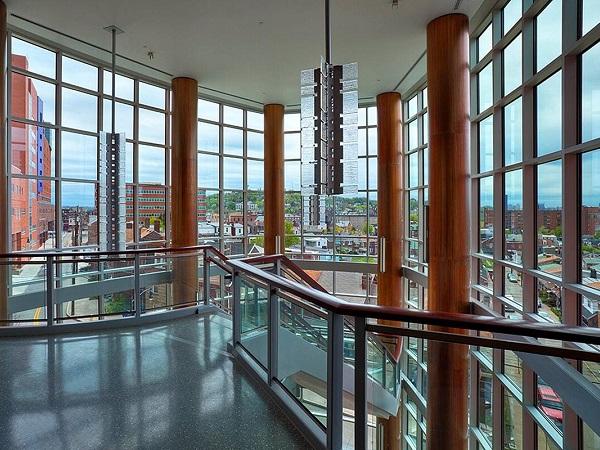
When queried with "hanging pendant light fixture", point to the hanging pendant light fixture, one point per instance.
{"points": [[112, 194], [329, 131]]}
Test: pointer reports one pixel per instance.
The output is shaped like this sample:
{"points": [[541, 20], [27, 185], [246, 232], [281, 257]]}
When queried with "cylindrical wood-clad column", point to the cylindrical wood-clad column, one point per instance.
{"points": [[390, 212], [4, 206], [390, 223], [274, 187], [184, 183], [449, 201]]}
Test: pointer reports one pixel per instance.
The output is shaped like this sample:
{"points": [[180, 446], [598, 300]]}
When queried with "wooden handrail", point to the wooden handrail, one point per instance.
{"points": [[446, 320], [137, 251]]}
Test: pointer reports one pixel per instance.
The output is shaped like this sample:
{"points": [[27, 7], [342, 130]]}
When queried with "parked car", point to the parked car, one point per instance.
{"points": [[550, 403]]}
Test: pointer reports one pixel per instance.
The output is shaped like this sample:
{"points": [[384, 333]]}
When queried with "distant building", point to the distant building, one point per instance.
{"points": [[32, 212]]}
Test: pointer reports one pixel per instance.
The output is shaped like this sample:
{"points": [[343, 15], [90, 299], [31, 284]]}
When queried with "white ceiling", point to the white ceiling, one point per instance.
{"points": [[253, 48]]}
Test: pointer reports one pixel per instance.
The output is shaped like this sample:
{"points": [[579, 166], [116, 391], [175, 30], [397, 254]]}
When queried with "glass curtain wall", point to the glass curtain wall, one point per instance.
{"points": [[536, 242], [416, 176], [57, 106], [230, 178], [350, 231]]}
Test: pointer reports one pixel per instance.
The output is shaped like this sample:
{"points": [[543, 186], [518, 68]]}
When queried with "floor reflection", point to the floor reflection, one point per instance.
{"points": [[171, 385]]}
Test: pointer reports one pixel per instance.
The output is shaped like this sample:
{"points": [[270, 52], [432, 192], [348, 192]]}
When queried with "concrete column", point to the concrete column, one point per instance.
{"points": [[274, 179], [184, 184], [449, 235]]}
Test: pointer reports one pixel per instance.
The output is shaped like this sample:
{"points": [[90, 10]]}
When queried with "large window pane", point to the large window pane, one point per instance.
{"points": [[372, 140], [33, 223], [151, 95], [292, 175], [208, 171], [590, 94], [151, 126], [233, 141], [549, 115], [79, 73], [511, 14], [79, 214], [486, 215], [291, 144], [413, 134], [255, 145], [208, 137], [291, 122], [512, 65], [550, 403], [151, 163], [590, 223], [591, 15], [372, 173], [123, 86], [549, 217], [152, 212], [548, 34], [79, 110], [513, 216], [513, 422], [413, 170], [513, 132], [485, 402], [208, 110], [484, 43], [33, 58], [32, 99], [233, 173], [486, 87], [486, 144], [255, 120], [233, 116], [123, 118], [32, 150], [256, 175], [79, 156]]}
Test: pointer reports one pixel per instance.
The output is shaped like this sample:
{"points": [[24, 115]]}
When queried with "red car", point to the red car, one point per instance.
{"points": [[550, 403]]}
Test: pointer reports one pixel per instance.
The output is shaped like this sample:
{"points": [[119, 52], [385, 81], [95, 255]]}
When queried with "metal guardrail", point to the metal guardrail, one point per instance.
{"points": [[442, 327]]}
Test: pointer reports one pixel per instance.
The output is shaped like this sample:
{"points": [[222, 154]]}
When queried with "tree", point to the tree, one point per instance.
{"points": [[368, 229], [290, 238]]}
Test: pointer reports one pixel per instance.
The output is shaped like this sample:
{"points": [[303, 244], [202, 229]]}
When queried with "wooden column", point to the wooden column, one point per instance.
{"points": [[449, 235], [184, 183], [274, 179], [4, 206], [390, 224], [390, 210]]}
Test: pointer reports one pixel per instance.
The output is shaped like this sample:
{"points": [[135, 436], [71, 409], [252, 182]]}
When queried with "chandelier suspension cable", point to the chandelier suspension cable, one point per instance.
{"points": [[328, 58], [113, 75]]}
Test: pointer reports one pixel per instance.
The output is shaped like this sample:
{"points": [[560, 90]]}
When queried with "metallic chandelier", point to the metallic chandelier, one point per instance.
{"points": [[329, 131]]}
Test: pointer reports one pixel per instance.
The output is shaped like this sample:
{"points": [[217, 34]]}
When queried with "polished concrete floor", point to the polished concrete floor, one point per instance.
{"points": [[171, 385]]}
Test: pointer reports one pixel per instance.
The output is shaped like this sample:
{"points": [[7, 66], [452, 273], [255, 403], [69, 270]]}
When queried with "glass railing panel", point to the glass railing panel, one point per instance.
{"points": [[78, 289], [25, 280], [158, 274], [375, 362], [254, 310], [302, 356], [116, 284]]}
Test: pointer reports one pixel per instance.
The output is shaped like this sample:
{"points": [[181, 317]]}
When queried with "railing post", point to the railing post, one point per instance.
{"points": [[137, 298], [50, 290], [273, 334], [360, 384], [335, 373], [206, 271], [237, 314]]}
